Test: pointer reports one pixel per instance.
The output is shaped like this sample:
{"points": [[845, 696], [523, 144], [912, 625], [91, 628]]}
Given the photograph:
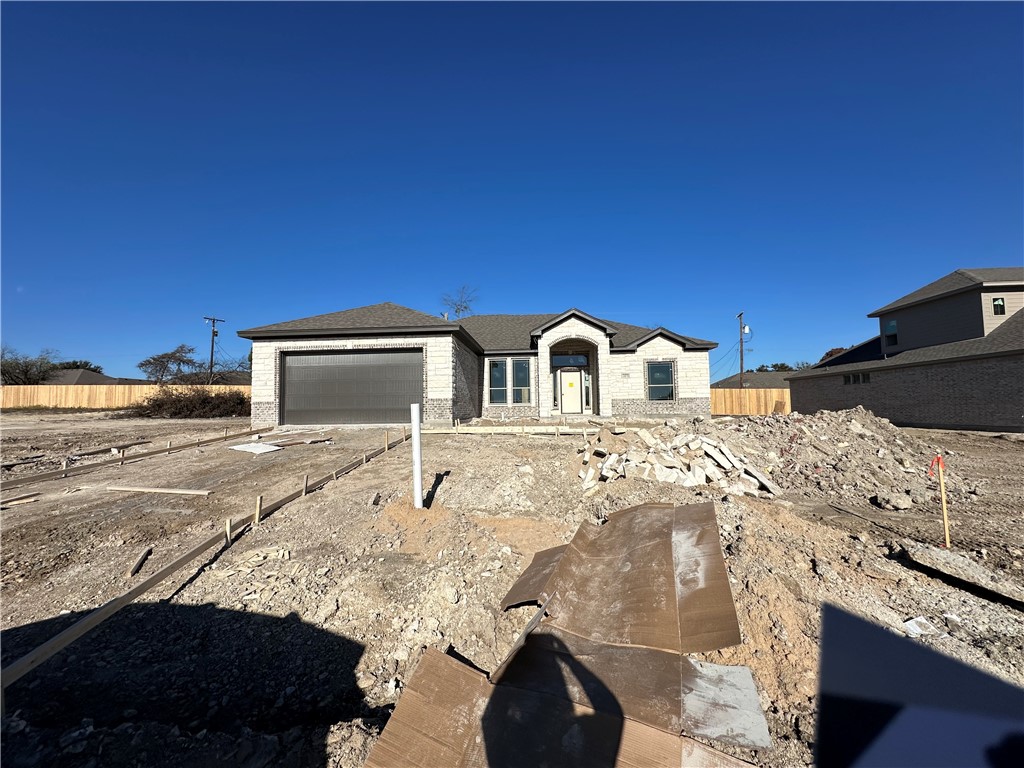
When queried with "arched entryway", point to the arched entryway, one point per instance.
{"points": [[574, 383]]}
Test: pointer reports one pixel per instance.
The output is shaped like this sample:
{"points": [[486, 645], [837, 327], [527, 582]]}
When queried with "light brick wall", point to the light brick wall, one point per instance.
{"points": [[438, 370], [573, 328], [969, 394], [628, 380]]}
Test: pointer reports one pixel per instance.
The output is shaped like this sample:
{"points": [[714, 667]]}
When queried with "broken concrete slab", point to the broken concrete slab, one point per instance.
{"points": [[962, 568], [761, 478], [715, 455], [649, 439]]}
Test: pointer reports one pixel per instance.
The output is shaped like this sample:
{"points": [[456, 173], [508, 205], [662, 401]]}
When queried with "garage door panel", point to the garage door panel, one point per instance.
{"points": [[351, 387]]}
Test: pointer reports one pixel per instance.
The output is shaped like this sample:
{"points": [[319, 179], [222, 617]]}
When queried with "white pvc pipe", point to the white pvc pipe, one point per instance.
{"points": [[417, 458]]}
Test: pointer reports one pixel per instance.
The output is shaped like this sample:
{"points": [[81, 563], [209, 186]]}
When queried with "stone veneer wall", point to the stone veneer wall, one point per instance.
{"points": [[627, 379], [985, 394], [569, 329], [438, 371], [467, 372]]}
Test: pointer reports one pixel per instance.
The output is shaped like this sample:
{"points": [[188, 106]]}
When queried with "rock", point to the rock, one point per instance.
{"points": [[649, 440]]}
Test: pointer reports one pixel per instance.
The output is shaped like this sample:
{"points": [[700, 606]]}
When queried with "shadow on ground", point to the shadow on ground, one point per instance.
{"points": [[181, 685]]}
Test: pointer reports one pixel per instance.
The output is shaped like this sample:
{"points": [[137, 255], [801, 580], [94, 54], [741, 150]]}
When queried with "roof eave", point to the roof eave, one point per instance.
{"points": [[963, 289], [257, 334], [891, 364]]}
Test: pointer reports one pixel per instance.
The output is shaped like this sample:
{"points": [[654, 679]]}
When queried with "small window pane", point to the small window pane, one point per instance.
{"points": [[661, 393], [847, 378], [998, 306], [577, 361], [497, 373], [499, 393], [520, 373], [865, 378]]}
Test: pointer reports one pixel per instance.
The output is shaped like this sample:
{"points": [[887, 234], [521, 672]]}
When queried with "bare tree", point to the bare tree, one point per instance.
{"points": [[174, 367], [17, 368], [459, 304]]}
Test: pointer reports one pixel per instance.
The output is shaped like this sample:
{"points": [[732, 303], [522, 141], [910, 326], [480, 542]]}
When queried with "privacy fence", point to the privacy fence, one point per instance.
{"points": [[732, 402], [749, 402], [93, 395]]}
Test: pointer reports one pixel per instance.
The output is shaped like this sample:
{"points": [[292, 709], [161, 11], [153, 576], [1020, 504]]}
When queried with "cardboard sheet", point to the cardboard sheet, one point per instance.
{"points": [[530, 586], [665, 690], [652, 576], [450, 715]]}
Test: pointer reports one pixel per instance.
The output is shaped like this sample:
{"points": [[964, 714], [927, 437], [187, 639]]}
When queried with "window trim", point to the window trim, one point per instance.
{"points": [[648, 385]]}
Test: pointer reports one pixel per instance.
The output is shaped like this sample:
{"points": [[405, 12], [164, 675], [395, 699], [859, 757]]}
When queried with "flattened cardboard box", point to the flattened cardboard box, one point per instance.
{"points": [[450, 715]]}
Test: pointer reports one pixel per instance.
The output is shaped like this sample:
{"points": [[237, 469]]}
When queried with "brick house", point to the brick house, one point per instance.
{"points": [[950, 354], [366, 365]]}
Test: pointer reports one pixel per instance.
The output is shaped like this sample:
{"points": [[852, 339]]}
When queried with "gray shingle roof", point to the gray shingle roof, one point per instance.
{"points": [[491, 332], [382, 316], [955, 282], [1007, 339], [512, 332], [755, 380]]}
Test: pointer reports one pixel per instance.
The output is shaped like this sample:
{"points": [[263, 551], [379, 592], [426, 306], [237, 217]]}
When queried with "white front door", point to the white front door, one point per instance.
{"points": [[571, 391]]}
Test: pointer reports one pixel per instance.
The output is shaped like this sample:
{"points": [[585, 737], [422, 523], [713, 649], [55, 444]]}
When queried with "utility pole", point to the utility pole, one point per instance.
{"points": [[740, 316], [213, 337]]}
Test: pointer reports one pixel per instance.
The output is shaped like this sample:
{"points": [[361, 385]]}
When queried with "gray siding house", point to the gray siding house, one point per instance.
{"points": [[950, 354], [366, 365]]}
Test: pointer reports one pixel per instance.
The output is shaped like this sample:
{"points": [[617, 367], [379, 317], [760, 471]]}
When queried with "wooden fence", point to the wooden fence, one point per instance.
{"points": [[91, 395], [749, 402]]}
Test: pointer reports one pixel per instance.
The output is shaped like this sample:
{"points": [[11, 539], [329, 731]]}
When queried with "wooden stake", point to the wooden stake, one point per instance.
{"points": [[64, 466], [120, 454], [168, 447], [364, 457], [403, 434], [305, 484], [141, 559], [385, 441], [942, 492], [259, 510], [227, 532]]}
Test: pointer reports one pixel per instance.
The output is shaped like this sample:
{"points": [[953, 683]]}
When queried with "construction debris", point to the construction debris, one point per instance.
{"points": [[623, 604], [963, 569], [255, 448], [139, 561], [688, 460]]}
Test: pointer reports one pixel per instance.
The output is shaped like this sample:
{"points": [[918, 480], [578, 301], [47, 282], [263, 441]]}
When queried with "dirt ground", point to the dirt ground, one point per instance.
{"points": [[292, 646]]}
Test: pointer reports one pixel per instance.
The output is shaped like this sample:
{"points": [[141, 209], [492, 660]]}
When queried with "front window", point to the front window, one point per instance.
{"points": [[999, 306], [562, 361], [499, 385], [659, 382]]}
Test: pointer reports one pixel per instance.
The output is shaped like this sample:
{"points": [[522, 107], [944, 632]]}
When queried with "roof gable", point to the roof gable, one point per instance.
{"points": [[687, 342], [573, 312], [955, 282]]}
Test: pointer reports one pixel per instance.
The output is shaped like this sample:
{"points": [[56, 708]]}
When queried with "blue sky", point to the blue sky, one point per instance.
{"points": [[657, 164]]}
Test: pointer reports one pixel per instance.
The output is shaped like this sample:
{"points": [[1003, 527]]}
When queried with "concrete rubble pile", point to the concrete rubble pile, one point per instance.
{"points": [[831, 454], [686, 459]]}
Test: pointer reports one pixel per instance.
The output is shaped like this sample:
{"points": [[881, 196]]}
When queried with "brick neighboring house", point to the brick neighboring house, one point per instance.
{"points": [[366, 365], [950, 354]]}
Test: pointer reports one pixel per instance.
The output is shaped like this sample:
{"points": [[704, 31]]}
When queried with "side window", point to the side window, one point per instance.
{"points": [[659, 382], [891, 337], [999, 306]]}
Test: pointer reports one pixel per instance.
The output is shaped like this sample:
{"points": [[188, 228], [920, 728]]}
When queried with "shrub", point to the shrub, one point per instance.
{"points": [[191, 403]]}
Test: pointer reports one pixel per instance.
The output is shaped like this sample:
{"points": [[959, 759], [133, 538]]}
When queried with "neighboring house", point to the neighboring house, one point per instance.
{"points": [[366, 365], [756, 380], [950, 354], [78, 376]]}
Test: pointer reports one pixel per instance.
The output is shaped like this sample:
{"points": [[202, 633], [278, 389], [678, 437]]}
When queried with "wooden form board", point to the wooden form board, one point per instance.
{"points": [[71, 471], [54, 645], [178, 491]]}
